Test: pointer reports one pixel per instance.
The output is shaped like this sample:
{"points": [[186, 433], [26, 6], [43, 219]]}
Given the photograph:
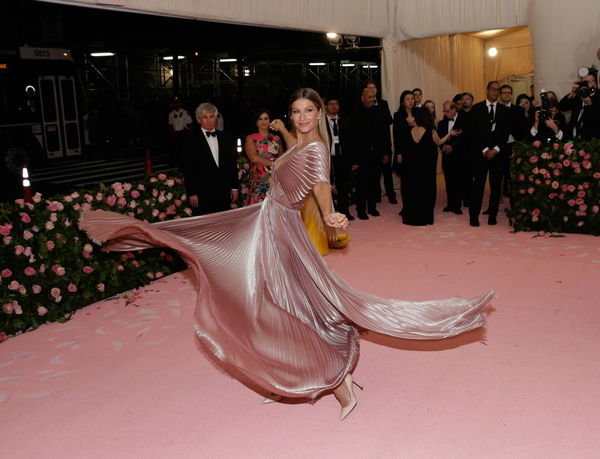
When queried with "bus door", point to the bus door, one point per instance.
{"points": [[60, 122]]}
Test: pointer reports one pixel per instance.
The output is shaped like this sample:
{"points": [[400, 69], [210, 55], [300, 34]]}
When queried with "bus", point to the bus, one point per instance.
{"points": [[43, 113]]}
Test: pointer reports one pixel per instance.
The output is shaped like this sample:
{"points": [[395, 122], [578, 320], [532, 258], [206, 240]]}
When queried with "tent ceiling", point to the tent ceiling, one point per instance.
{"points": [[395, 19]]}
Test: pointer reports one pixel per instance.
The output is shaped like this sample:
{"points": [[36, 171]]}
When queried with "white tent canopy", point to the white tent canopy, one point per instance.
{"points": [[565, 35]]}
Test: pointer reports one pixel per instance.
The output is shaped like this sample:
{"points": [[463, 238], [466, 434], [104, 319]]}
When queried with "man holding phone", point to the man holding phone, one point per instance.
{"points": [[453, 161]]}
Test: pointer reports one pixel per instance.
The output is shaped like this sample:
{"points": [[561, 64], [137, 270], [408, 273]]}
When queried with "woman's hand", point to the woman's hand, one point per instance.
{"points": [[277, 125], [336, 220]]}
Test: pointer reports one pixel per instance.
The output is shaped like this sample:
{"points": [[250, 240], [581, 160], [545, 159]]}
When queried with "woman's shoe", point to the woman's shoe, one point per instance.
{"points": [[346, 410], [272, 399]]}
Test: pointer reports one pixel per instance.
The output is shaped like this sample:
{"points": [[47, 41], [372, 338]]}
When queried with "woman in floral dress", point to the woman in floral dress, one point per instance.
{"points": [[262, 149]]}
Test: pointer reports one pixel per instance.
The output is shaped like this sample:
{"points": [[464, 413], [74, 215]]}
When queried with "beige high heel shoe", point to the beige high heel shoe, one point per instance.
{"points": [[272, 398], [349, 383]]}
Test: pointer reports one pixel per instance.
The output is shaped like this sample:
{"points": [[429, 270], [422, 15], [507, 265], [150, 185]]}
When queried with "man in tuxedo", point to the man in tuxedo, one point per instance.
{"points": [[489, 126], [453, 156], [370, 146], [386, 168], [209, 165], [517, 131], [585, 112], [340, 162]]}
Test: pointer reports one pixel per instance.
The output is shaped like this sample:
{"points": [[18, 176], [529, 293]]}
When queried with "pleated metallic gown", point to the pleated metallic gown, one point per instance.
{"points": [[268, 304]]}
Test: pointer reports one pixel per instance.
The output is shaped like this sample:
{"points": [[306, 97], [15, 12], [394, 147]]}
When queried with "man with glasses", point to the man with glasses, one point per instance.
{"points": [[488, 128]]}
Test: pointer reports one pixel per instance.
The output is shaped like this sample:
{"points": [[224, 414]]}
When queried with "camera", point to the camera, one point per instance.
{"points": [[545, 113], [583, 86]]}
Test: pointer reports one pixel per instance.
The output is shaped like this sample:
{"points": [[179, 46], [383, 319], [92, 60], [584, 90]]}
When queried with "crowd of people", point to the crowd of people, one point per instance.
{"points": [[368, 145]]}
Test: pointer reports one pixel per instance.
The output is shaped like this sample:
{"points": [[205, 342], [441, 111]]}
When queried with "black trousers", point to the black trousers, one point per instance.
{"points": [[341, 178], [367, 187], [452, 165], [482, 168]]}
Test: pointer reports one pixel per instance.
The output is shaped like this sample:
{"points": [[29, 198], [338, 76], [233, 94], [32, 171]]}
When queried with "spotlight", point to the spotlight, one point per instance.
{"points": [[492, 52]]}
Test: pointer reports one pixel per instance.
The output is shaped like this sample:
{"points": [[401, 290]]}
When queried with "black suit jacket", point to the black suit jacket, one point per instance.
{"points": [[457, 143], [343, 136], [482, 133], [518, 124], [590, 119], [368, 136], [211, 183]]}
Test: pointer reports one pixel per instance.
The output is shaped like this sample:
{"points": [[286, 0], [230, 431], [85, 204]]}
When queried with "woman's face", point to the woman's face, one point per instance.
{"points": [[431, 107], [409, 101], [305, 115], [525, 104], [263, 121]]}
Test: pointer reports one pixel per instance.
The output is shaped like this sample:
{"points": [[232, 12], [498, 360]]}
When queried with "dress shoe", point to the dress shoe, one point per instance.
{"points": [[486, 212], [347, 409], [374, 212], [492, 220], [474, 222], [446, 209], [457, 212], [392, 200], [362, 216], [272, 398]]}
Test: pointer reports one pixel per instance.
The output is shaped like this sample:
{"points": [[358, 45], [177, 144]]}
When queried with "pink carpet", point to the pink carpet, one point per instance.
{"points": [[126, 379]]}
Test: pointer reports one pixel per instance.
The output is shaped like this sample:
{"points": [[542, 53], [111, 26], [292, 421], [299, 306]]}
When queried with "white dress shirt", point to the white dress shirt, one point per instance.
{"points": [[213, 143], [334, 138]]}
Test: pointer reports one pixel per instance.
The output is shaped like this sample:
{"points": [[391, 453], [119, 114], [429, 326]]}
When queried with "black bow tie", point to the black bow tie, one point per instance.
{"points": [[213, 133]]}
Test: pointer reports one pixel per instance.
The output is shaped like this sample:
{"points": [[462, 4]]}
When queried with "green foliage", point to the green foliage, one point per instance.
{"points": [[49, 268], [556, 188]]}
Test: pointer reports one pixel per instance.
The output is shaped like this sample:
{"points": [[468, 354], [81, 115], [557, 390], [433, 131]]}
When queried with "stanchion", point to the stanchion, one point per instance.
{"points": [[27, 197], [148, 163]]}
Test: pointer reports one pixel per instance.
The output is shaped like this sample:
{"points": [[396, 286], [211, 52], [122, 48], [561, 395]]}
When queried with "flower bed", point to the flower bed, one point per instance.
{"points": [[556, 188], [49, 267]]}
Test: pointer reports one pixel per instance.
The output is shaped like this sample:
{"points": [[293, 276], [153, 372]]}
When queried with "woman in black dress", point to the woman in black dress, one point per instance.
{"points": [[419, 169], [403, 123]]}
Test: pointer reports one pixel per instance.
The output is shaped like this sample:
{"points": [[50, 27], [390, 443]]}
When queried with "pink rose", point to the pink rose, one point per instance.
{"points": [[27, 251], [6, 240], [535, 212], [556, 172], [25, 218], [135, 194], [41, 310], [150, 275], [22, 289], [158, 275], [552, 195], [571, 202], [566, 163], [50, 245], [133, 204], [5, 229], [8, 308], [522, 191], [99, 197], [27, 235], [6, 273], [100, 287], [14, 285], [55, 291], [141, 187], [530, 190], [535, 218], [161, 216], [595, 209], [42, 268], [29, 271], [135, 264], [580, 223], [568, 147], [88, 197], [579, 201], [122, 202], [587, 164], [111, 200], [162, 176], [127, 186], [555, 185], [35, 288], [177, 203], [19, 249], [536, 144], [68, 198], [58, 270], [88, 248], [170, 182], [87, 269], [120, 268], [153, 180], [76, 206], [583, 207], [571, 188], [581, 194], [155, 212], [49, 225], [72, 288]]}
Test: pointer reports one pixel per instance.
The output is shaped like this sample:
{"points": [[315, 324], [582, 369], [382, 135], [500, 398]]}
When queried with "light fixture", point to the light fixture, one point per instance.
{"points": [[102, 54], [492, 52], [170, 58], [332, 35], [348, 65], [317, 64], [370, 66], [228, 60], [335, 39]]}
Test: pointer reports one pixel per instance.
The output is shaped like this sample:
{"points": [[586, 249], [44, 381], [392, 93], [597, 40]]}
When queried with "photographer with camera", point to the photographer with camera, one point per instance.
{"points": [[548, 122], [584, 104]]}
